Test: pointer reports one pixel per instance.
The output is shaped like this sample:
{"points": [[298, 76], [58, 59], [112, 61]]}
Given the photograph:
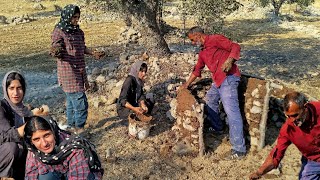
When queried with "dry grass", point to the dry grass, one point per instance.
{"points": [[20, 7], [34, 37]]}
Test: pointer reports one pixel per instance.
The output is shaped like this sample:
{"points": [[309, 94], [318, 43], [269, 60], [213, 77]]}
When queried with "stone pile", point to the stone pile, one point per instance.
{"points": [[107, 80], [38, 7], [128, 35], [21, 19]]}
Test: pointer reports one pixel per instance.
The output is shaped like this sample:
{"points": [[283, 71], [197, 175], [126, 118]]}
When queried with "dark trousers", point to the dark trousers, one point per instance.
{"points": [[12, 160]]}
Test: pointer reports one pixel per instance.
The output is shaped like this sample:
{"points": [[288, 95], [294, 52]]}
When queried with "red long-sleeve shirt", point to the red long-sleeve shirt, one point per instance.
{"points": [[217, 48], [306, 138]]}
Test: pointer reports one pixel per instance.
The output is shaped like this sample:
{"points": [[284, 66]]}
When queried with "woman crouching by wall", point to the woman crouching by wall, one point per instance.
{"points": [[132, 98], [55, 154]]}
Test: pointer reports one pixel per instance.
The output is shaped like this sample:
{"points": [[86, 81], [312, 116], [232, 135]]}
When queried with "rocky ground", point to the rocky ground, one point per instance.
{"points": [[276, 49]]}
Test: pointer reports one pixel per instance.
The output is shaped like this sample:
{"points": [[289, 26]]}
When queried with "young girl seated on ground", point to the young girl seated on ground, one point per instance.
{"points": [[54, 154], [132, 98]]}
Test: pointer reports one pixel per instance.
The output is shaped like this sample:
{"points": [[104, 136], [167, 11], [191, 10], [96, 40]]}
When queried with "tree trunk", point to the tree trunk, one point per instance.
{"points": [[277, 5], [144, 20]]}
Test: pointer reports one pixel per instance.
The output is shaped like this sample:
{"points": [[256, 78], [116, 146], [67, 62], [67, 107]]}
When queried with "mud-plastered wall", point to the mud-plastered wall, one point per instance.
{"points": [[186, 136], [260, 103]]}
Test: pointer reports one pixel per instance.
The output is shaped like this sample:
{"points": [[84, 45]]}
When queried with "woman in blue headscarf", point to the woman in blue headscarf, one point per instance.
{"points": [[56, 154]]}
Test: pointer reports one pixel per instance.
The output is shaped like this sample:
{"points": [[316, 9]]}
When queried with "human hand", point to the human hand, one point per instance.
{"points": [[227, 65], [56, 52], [29, 106], [21, 130], [144, 108], [41, 111], [183, 86], [98, 54], [255, 176], [138, 110]]}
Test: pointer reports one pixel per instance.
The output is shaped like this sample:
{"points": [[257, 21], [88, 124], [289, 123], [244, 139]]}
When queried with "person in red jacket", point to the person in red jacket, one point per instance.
{"points": [[219, 53], [302, 128]]}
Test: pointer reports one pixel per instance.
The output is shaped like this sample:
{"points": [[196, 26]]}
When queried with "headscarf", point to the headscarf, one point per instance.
{"points": [[135, 68], [20, 110], [134, 71], [64, 148], [65, 20]]}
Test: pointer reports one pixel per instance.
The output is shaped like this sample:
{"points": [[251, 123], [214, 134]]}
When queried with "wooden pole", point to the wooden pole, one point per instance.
{"points": [[263, 122], [200, 130]]}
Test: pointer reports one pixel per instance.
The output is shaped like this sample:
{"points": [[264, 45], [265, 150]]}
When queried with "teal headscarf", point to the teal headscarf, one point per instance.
{"points": [[65, 20]]}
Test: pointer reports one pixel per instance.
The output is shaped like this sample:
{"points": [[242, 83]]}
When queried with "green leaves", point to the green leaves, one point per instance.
{"points": [[210, 13], [277, 4]]}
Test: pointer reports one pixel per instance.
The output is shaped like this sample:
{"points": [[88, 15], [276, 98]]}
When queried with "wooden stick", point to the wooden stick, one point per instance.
{"points": [[264, 117], [200, 130]]}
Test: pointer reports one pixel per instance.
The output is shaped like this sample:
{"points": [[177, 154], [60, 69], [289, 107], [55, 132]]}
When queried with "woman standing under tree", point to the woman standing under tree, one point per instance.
{"points": [[68, 46]]}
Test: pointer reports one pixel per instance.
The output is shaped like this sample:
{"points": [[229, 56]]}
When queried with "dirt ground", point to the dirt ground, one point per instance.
{"points": [[289, 54]]}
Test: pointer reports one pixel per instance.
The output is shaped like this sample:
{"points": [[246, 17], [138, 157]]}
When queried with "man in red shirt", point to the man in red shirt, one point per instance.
{"points": [[302, 128], [219, 53]]}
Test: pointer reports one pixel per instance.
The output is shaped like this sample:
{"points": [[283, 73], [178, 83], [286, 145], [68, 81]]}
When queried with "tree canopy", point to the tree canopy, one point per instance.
{"points": [[277, 4]]}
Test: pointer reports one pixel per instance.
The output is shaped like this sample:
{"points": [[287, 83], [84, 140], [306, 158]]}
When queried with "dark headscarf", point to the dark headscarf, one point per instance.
{"points": [[20, 110], [64, 148], [65, 20]]}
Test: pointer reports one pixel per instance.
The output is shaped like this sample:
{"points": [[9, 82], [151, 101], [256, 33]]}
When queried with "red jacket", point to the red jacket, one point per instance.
{"points": [[217, 48], [306, 138]]}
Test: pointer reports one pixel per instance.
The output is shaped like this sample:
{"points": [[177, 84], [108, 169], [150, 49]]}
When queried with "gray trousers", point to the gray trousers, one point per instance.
{"points": [[12, 160]]}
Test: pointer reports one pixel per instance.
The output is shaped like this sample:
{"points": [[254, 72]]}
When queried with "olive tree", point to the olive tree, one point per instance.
{"points": [[143, 15], [277, 4], [210, 14]]}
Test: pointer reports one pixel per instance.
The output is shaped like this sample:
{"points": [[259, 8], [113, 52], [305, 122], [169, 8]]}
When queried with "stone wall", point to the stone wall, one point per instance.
{"points": [[186, 136], [260, 103]]}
